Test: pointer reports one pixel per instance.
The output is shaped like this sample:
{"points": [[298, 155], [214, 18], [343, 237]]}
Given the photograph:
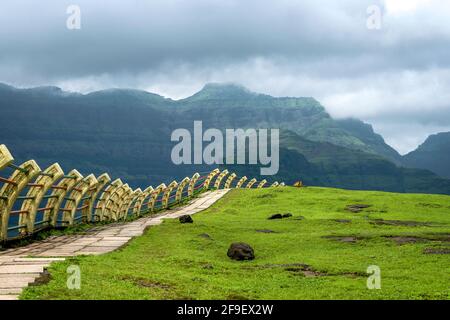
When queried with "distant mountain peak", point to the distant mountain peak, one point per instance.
{"points": [[48, 89], [435, 142], [212, 91], [433, 154], [127, 95], [6, 86], [228, 86]]}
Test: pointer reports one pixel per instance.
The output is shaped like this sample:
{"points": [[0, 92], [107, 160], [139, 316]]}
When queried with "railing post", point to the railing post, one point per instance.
{"points": [[251, 183], [241, 182], [180, 188], [125, 207], [36, 193], [167, 192], [58, 194], [191, 187], [113, 201], [210, 176], [88, 203], [75, 196], [154, 196], [101, 203], [220, 178], [5, 157], [137, 208], [229, 180], [262, 184], [123, 200], [19, 178]]}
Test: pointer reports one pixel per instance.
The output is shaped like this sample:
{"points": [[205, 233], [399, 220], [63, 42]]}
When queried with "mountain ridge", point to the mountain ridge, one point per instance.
{"points": [[127, 133]]}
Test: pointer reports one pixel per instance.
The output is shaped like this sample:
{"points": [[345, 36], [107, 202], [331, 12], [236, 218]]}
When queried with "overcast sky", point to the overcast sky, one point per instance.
{"points": [[397, 78]]}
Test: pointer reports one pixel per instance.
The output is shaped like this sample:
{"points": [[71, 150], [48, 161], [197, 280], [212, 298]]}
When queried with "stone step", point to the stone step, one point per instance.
{"points": [[9, 297], [10, 291], [12, 269], [38, 259]]}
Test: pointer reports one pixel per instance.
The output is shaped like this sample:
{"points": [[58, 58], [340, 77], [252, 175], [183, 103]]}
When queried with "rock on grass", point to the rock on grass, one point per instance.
{"points": [[186, 219], [240, 251], [280, 216]]}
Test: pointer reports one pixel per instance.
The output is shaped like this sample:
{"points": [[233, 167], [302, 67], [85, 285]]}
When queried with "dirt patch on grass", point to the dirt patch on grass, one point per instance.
{"points": [[308, 271], [342, 220], [345, 239], [236, 297], [407, 239], [231, 211], [43, 279], [436, 251], [282, 265], [444, 237], [355, 208], [208, 266], [429, 205], [265, 231], [294, 268], [266, 196], [205, 236], [402, 223], [146, 283]]}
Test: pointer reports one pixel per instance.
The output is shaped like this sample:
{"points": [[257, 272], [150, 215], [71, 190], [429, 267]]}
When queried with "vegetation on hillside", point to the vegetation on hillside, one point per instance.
{"points": [[127, 134]]}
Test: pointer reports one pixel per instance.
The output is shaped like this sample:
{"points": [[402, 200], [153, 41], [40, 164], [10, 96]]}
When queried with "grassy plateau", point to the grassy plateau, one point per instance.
{"points": [[321, 252]]}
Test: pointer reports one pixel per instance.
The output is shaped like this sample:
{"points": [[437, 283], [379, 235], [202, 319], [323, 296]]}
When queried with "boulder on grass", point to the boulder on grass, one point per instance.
{"points": [[186, 219], [240, 251], [287, 215], [276, 216]]}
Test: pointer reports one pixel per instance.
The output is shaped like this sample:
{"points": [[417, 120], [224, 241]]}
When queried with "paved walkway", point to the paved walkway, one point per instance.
{"points": [[21, 266]]}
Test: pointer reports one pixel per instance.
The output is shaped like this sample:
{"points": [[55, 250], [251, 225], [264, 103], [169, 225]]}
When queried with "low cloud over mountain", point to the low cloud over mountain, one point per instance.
{"points": [[396, 77]]}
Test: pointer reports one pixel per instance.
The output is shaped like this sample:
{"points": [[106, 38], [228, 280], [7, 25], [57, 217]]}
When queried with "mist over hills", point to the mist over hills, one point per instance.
{"points": [[127, 133]]}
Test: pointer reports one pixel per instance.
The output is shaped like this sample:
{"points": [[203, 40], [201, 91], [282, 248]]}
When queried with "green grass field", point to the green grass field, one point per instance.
{"points": [[178, 261]]}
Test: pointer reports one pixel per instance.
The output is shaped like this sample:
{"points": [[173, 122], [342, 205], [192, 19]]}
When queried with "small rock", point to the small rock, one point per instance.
{"points": [[208, 266], [186, 219], [287, 215], [276, 216], [205, 236], [240, 251]]}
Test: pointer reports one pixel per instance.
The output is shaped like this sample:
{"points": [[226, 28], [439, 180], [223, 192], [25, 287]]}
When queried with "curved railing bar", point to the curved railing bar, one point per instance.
{"points": [[97, 199]]}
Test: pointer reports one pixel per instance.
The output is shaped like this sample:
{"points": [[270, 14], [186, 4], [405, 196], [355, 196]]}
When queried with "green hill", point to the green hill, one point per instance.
{"points": [[322, 252]]}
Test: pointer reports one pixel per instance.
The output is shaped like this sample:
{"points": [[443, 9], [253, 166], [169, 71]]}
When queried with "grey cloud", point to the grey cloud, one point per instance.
{"points": [[280, 47]]}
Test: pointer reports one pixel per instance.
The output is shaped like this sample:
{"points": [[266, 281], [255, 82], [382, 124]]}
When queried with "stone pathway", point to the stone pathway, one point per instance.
{"points": [[21, 266]]}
